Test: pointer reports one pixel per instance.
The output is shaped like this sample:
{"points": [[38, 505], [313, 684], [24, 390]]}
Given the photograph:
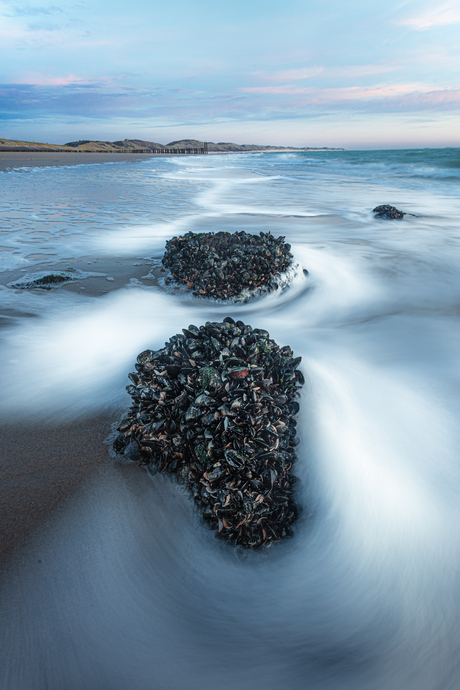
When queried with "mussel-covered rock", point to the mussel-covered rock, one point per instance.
{"points": [[388, 212], [216, 407], [45, 282], [225, 265]]}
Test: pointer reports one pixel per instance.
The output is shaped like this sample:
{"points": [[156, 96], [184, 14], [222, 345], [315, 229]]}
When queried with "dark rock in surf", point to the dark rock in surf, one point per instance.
{"points": [[225, 265], [388, 212], [45, 282], [223, 423]]}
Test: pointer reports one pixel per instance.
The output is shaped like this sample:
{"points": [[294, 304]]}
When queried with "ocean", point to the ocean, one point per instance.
{"points": [[124, 586]]}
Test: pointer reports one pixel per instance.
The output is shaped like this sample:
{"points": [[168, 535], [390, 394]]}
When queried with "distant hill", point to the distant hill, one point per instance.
{"points": [[136, 144], [226, 146], [221, 146], [141, 146], [18, 145], [125, 145]]}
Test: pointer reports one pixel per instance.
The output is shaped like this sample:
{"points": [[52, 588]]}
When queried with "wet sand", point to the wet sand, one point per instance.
{"points": [[10, 160], [114, 273], [42, 465]]}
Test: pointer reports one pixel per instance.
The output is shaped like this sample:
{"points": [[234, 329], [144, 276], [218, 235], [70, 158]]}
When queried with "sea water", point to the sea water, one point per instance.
{"points": [[132, 590]]}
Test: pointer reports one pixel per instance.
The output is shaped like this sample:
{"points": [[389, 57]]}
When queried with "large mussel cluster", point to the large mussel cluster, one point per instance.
{"points": [[227, 265], [216, 407]]}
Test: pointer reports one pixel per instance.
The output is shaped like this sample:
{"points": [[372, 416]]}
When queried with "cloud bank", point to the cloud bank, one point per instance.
{"points": [[182, 66]]}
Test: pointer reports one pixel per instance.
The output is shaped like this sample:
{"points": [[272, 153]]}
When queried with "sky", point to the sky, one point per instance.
{"points": [[356, 74]]}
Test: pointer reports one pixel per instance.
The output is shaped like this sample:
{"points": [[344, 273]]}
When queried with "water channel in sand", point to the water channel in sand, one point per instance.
{"points": [[123, 586]]}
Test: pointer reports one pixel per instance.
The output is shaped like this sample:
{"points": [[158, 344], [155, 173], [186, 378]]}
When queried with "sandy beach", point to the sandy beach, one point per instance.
{"points": [[110, 577], [42, 465], [11, 160], [45, 464]]}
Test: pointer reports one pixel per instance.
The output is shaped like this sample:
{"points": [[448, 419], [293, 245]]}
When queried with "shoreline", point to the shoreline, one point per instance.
{"points": [[104, 275], [44, 464], [11, 160]]}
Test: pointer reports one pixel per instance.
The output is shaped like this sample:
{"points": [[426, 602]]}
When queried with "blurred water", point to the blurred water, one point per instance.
{"points": [[132, 590]]}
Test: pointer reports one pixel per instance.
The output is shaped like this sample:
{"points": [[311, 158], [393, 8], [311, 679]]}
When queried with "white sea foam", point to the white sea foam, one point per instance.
{"points": [[131, 589]]}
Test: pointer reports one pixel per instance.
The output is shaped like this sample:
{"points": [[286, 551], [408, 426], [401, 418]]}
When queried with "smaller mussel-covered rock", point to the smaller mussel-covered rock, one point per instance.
{"points": [[216, 407], [45, 282], [224, 266], [388, 212]]}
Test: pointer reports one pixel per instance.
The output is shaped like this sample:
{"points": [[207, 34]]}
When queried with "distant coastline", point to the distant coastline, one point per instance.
{"points": [[139, 146]]}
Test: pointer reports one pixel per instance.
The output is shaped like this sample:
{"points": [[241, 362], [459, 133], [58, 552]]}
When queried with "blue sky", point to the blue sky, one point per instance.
{"points": [[349, 73]]}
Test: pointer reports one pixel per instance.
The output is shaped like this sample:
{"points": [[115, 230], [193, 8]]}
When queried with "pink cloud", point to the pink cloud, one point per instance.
{"points": [[43, 80], [289, 89], [440, 16], [405, 96], [37, 79], [434, 98], [352, 71], [288, 74], [342, 93]]}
